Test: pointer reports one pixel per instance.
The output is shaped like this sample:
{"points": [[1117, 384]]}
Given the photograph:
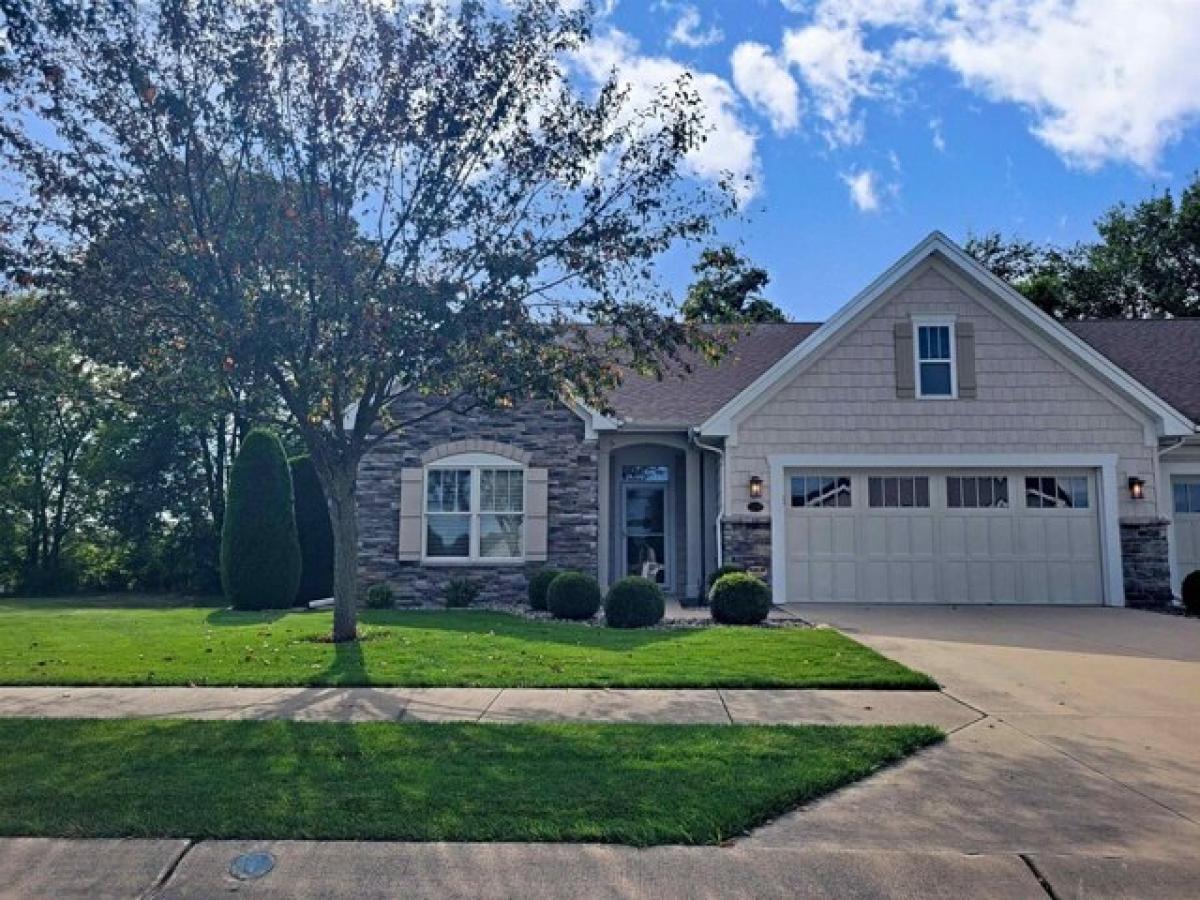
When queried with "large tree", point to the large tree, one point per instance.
{"points": [[728, 290], [54, 409], [1145, 262], [346, 204]]}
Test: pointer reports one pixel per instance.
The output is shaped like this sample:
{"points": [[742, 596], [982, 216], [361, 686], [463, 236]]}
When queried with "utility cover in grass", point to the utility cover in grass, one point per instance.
{"points": [[629, 784]]}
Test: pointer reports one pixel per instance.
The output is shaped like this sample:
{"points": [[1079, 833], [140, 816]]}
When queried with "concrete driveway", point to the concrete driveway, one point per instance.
{"points": [[1089, 745]]}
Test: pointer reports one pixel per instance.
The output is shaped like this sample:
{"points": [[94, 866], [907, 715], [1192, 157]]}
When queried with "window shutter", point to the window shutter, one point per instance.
{"points": [[964, 352], [411, 507], [536, 514], [905, 375]]}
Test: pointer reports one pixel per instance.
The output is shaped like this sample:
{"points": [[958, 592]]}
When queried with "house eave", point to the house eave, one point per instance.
{"points": [[1169, 421]]}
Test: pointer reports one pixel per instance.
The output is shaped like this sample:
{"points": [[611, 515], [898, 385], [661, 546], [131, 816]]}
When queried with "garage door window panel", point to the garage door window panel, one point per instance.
{"points": [[1056, 492], [1186, 492], [977, 492], [898, 492], [821, 491]]}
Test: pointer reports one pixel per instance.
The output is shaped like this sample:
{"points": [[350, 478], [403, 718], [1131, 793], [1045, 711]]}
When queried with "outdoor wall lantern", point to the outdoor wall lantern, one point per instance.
{"points": [[756, 484], [1137, 488]]}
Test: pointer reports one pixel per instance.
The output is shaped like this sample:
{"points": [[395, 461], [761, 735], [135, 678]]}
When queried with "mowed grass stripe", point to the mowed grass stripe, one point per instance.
{"points": [[59, 643], [630, 784]]}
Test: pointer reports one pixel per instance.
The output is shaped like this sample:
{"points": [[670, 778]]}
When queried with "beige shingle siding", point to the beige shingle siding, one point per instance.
{"points": [[1028, 401]]}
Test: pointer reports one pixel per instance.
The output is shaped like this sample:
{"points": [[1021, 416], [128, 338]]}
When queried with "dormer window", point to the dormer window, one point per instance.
{"points": [[935, 361]]}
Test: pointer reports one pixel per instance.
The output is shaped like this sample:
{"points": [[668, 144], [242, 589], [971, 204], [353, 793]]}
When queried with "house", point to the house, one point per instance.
{"points": [[938, 440]]}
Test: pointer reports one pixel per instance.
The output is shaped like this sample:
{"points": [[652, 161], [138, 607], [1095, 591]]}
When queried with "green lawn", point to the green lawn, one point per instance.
{"points": [[132, 642], [631, 784]]}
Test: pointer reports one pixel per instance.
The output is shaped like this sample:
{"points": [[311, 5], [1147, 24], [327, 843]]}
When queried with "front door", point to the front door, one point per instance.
{"points": [[645, 531]]}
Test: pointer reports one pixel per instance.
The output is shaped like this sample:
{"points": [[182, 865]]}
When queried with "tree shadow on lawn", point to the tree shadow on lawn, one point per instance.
{"points": [[109, 601], [535, 631], [348, 666], [244, 617]]}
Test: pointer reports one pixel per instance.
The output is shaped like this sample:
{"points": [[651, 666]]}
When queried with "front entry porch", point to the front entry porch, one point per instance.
{"points": [[658, 509]]}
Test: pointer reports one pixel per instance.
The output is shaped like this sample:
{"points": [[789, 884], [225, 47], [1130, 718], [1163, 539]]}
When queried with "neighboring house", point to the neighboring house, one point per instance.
{"points": [[938, 440]]}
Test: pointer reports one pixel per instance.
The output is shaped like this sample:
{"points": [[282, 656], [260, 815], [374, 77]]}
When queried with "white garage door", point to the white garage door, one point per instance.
{"points": [[943, 536], [1185, 493]]}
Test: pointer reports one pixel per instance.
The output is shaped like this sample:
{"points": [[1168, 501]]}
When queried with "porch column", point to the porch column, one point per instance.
{"points": [[693, 522], [603, 514]]}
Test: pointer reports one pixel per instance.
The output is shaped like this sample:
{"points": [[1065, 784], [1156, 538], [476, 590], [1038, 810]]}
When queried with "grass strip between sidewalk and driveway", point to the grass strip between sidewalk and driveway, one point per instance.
{"points": [[87, 643], [629, 784]]}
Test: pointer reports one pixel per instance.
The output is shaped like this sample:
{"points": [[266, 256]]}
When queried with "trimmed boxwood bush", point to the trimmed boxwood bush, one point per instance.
{"points": [[379, 596], [260, 553], [634, 602], [573, 595], [460, 592], [539, 584], [313, 530], [718, 572], [1190, 592], [740, 599]]}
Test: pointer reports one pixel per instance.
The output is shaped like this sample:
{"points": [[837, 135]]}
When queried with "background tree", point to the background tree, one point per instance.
{"points": [[1145, 262], [260, 552], [312, 527], [53, 409], [727, 290], [342, 205]]}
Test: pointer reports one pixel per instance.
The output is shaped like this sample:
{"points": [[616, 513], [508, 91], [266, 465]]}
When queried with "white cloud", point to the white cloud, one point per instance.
{"points": [[731, 147], [765, 81], [1102, 80], [838, 71], [689, 31], [935, 134], [864, 189]]}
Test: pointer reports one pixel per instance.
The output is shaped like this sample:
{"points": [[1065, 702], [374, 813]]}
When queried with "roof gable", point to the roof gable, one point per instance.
{"points": [[1171, 420]]}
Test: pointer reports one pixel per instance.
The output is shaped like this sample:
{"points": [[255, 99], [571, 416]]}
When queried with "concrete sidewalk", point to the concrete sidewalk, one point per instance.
{"points": [[45, 868], [494, 705]]}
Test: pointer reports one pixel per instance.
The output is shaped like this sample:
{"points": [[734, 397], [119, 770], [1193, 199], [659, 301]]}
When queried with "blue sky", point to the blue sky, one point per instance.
{"points": [[869, 123]]}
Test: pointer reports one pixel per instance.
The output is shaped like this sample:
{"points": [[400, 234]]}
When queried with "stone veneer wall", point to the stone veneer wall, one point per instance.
{"points": [[747, 542], [553, 438], [1145, 563]]}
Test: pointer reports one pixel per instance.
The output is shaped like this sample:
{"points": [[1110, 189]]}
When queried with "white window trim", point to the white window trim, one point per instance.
{"points": [[475, 463], [919, 322]]}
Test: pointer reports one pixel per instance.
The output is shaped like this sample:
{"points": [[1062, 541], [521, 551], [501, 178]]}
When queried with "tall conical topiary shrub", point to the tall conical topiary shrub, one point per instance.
{"points": [[260, 553], [314, 531]]}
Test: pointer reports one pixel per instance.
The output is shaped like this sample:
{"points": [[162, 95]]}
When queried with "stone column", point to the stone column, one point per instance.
{"points": [[1145, 562], [746, 541]]}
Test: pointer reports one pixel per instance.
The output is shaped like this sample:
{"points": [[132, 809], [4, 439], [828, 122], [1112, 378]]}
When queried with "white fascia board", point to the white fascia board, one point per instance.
{"points": [[594, 421], [723, 422]]}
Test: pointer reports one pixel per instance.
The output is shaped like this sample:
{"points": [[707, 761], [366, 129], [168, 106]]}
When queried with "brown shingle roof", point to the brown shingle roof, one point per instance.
{"points": [[1163, 354], [688, 398]]}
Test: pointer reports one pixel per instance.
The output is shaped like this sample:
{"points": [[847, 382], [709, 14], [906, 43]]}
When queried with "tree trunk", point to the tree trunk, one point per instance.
{"points": [[343, 518]]}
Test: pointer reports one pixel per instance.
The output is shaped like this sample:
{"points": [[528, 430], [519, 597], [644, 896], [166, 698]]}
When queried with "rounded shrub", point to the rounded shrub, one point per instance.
{"points": [[719, 572], [539, 584], [313, 530], [260, 553], [740, 599], [573, 595], [379, 596], [1190, 593], [634, 602]]}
